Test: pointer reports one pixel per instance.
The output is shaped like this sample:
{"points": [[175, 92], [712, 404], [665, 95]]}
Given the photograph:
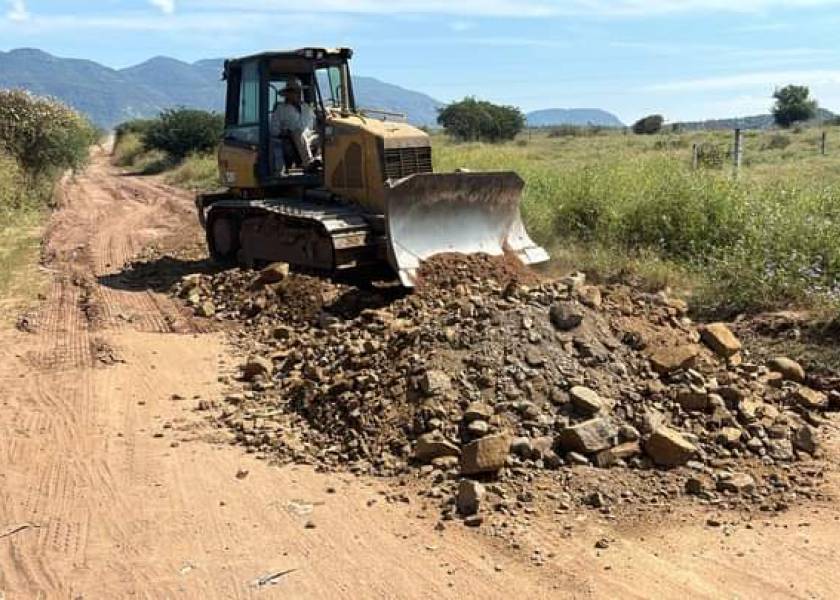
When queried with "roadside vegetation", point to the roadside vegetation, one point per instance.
{"points": [[40, 139]]}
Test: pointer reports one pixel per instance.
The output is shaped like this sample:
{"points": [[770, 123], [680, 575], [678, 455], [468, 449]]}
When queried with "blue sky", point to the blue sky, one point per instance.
{"points": [[688, 59]]}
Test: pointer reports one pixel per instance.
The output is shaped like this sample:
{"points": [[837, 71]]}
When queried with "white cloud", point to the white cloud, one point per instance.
{"points": [[17, 10], [167, 6]]}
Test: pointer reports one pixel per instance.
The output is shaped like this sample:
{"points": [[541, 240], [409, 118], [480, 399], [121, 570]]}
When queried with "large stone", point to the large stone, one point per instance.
{"points": [[607, 458], [810, 399], [257, 366], [590, 296], [486, 455], [790, 369], [720, 339], [586, 400], [737, 483], [588, 437], [668, 448], [435, 382], [273, 273], [470, 494], [668, 360], [433, 445], [565, 315], [478, 411], [805, 439], [693, 398]]}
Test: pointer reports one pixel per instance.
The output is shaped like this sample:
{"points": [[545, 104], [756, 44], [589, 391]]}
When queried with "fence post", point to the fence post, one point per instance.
{"points": [[739, 151], [823, 142], [695, 156]]}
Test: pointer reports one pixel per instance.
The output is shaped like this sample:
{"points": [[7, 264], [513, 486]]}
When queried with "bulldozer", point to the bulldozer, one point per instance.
{"points": [[371, 204]]}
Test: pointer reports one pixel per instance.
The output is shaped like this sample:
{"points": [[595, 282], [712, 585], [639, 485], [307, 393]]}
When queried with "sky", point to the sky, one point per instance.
{"points": [[685, 59]]}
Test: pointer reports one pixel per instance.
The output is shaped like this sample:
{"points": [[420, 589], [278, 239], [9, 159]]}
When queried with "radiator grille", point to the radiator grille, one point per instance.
{"points": [[402, 162]]}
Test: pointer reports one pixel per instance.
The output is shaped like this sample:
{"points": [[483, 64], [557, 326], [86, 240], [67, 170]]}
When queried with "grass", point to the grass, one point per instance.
{"points": [[21, 219], [630, 206], [195, 172]]}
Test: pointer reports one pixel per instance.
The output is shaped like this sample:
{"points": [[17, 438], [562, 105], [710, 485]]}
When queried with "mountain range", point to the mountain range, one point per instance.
{"points": [[110, 96]]}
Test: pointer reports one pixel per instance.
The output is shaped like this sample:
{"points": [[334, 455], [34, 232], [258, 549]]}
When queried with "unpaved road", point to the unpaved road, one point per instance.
{"points": [[110, 487]]}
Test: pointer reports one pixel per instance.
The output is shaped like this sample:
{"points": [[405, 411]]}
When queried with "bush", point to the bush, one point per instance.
{"points": [[711, 156], [183, 131], [472, 120], [648, 125], [43, 135]]}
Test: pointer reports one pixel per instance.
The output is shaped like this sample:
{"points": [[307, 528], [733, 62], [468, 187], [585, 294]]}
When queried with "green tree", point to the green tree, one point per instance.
{"points": [[648, 125], [182, 131], [42, 134], [478, 120], [793, 104]]}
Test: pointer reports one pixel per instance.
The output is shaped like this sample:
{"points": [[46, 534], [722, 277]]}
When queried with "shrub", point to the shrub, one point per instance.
{"points": [[711, 156], [182, 131], [42, 134], [478, 120], [648, 125]]}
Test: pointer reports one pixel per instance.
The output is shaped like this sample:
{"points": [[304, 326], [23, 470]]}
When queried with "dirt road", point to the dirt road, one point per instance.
{"points": [[111, 485]]}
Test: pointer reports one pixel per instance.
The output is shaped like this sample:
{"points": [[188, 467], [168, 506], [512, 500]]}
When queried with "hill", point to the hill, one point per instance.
{"points": [[110, 96], [751, 122], [572, 116]]}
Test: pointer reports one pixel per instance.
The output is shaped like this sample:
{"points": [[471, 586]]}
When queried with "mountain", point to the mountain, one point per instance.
{"points": [[111, 96], [572, 116], [751, 122]]}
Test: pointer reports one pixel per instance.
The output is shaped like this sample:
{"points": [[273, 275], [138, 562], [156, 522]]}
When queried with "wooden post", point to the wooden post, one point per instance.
{"points": [[823, 139], [695, 156], [738, 151]]}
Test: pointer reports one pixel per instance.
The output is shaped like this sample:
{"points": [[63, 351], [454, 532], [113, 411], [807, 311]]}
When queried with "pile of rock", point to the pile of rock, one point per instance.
{"points": [[485, 379]]}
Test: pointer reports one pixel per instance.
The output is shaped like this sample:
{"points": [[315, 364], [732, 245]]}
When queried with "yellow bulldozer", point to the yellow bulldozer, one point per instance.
{"points": [[371, 201]]}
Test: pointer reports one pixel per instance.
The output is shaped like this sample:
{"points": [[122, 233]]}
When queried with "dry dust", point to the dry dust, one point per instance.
{"points": [[109, 489]]}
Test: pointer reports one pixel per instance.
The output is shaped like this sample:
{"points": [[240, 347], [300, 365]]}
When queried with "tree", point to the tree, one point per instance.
{"points": [[182, 131], [42, 134], [793, 104], [648, 125], [478, 120]]}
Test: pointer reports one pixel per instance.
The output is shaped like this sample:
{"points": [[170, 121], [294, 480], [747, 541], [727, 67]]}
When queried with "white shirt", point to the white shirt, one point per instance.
{"points": [[287, 117]]}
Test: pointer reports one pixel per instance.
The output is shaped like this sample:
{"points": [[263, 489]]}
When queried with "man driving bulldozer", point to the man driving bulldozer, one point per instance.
{"points": [[293, 120]]}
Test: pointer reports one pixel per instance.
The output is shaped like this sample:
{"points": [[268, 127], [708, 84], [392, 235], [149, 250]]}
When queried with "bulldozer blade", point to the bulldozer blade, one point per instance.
{"points": [[463, 212]]}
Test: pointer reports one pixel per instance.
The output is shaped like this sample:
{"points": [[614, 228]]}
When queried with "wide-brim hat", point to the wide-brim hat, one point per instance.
{"points": [[293, 84]]}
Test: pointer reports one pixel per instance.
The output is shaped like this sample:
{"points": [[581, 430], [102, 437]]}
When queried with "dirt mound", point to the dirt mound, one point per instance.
{"points": [[479, 379], [450, 270]]}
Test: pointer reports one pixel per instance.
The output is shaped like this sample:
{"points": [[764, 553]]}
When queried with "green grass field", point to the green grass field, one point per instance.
{"points": [[619, 205]]}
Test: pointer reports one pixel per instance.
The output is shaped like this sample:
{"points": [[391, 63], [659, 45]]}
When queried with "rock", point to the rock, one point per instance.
{"points": [[435, 382], [521, 446], [607, 458], [695, 486], [205, 309], [779, 449], [431, 446], [790, 369], [468, 500], [585, 400], [693, 398], [473, 520], [668, 360], [565, 316], [668, 448], [257, 366], [805, 439], [590, 296], [588, 437], [737, 483], [728, 436], [720, 339], [574, 281], [810, 399], [486, 455], [478, 411], [273, 273], [478, 428]]}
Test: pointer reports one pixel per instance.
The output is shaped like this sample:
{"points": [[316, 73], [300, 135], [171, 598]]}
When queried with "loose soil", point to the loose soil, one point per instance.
{"points": [[114, 485]]}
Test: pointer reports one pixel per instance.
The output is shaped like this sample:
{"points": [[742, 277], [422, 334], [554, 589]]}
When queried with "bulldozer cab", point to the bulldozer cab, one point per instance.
{"points": [[255, 86]]}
